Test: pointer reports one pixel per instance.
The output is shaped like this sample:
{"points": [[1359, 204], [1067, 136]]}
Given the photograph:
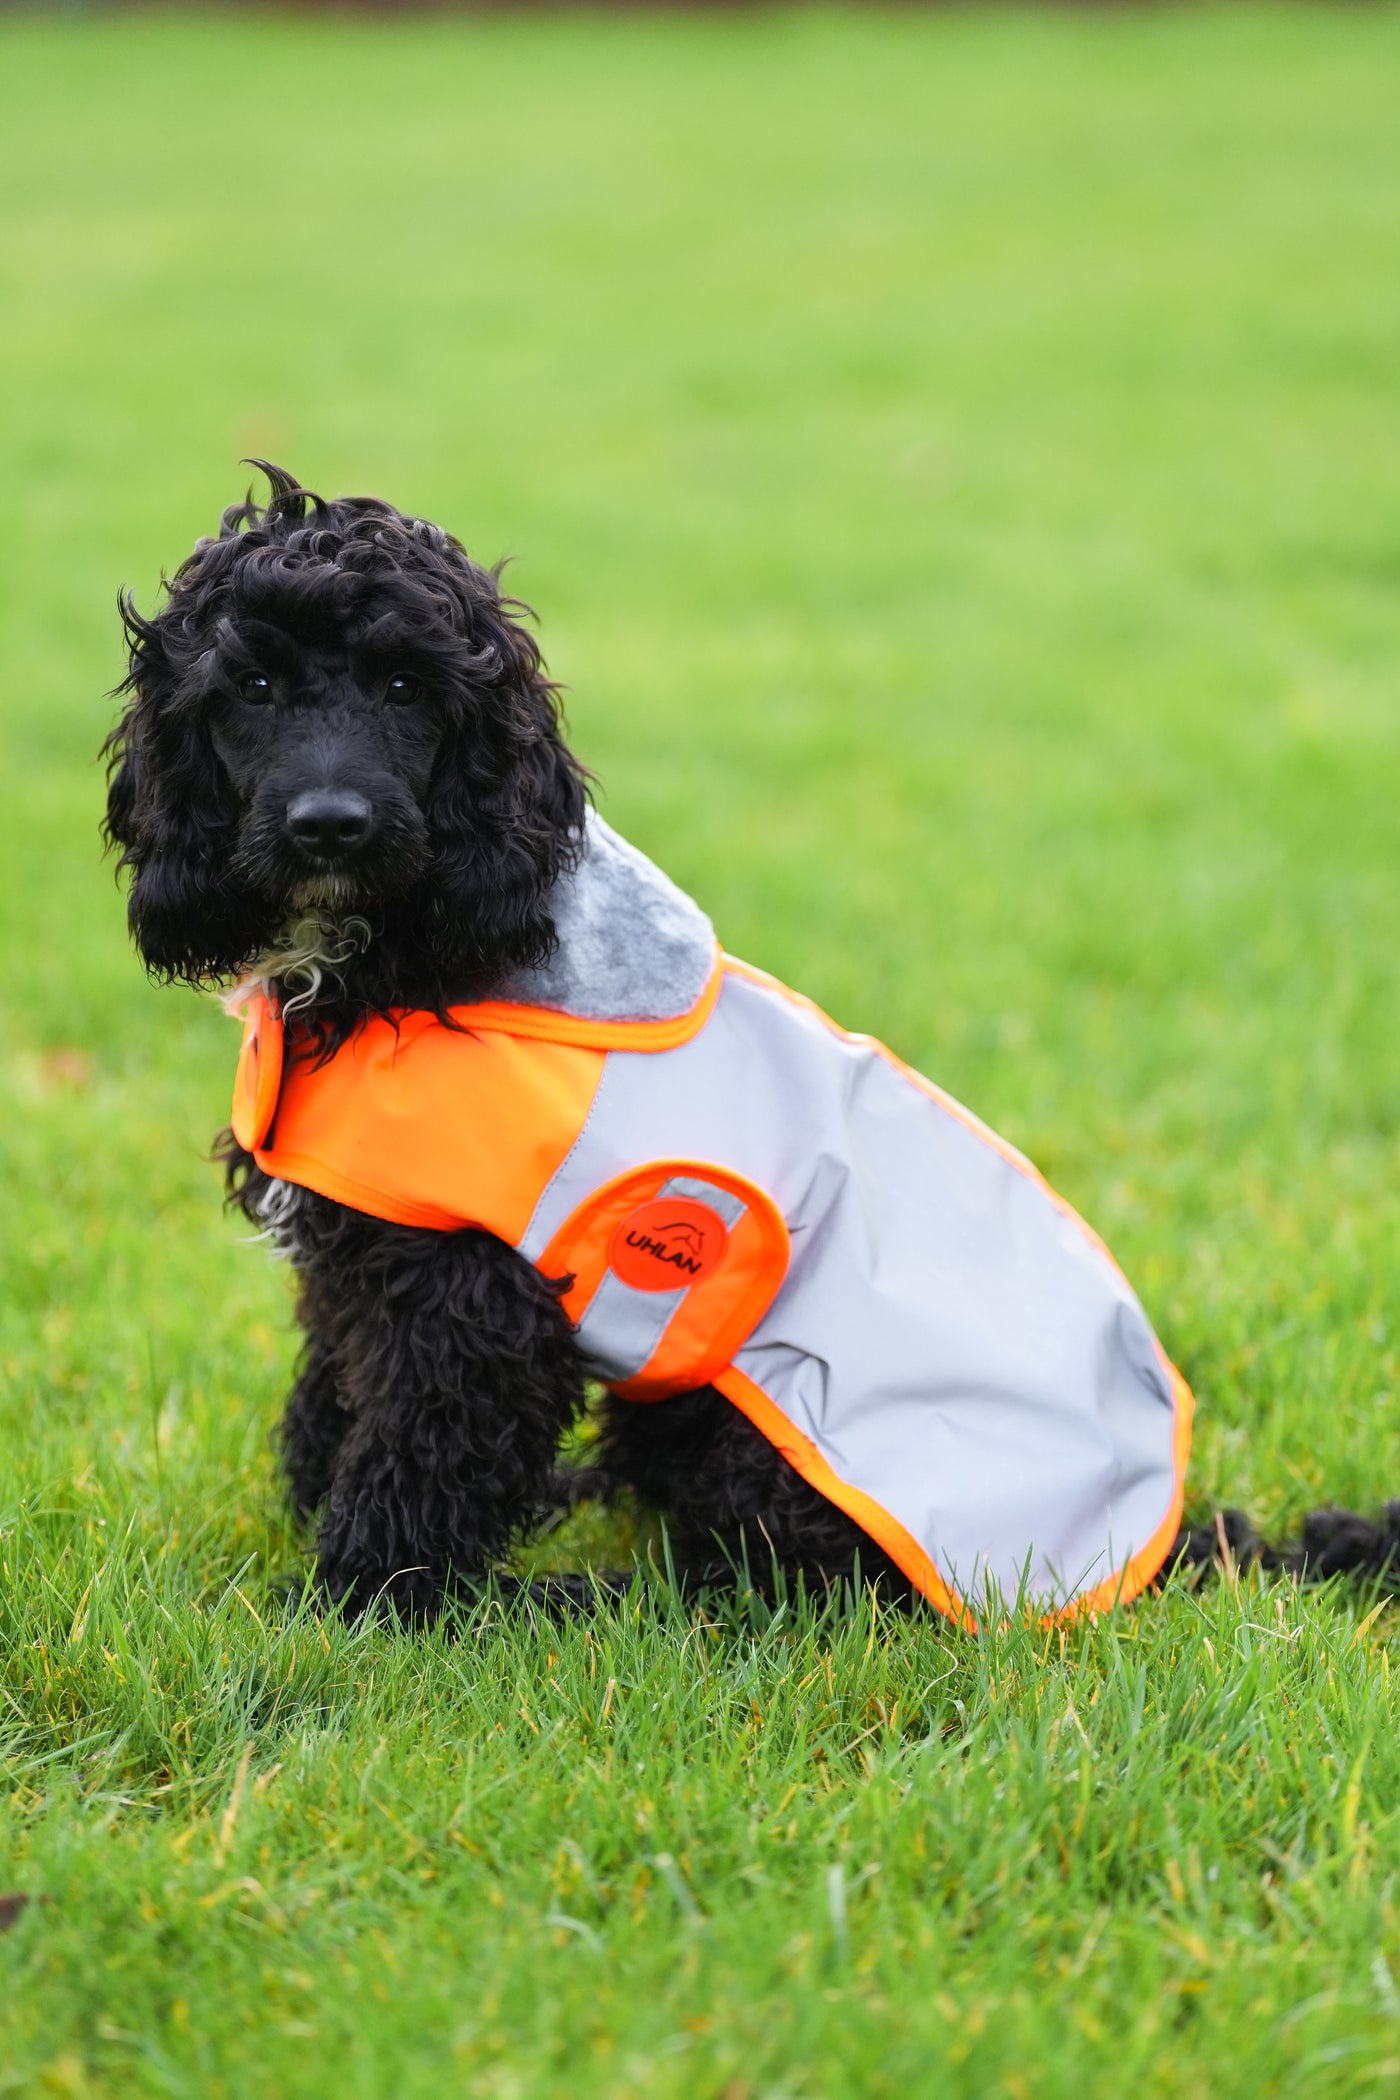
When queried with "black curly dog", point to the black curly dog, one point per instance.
{"points": [[337, 707]]}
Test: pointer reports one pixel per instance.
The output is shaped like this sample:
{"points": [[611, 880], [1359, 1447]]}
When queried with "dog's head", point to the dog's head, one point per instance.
{"points": [[336, 710]]}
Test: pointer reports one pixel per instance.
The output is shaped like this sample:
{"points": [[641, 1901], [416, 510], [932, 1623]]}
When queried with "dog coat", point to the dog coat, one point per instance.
{"points": [[745, 1196]]}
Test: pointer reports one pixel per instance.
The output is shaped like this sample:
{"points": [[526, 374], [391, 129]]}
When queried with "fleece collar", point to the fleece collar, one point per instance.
{"points": [[632, 947]]}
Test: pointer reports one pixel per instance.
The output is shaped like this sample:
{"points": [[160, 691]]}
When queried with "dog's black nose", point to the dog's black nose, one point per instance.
{"points": [[329, 821]]}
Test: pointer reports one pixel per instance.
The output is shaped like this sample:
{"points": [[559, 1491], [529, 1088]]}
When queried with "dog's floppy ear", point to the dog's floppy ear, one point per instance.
{"points": [[170, 812], [507, 808]]}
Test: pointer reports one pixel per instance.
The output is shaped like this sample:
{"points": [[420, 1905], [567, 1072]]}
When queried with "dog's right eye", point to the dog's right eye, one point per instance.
{"points": [[255, 686]]}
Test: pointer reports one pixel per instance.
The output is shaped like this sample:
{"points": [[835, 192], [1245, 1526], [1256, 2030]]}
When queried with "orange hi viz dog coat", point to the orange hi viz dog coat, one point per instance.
{"points": [[747, 1197]]}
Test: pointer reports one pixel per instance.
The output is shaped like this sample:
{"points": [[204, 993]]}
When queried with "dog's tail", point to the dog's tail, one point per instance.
{"points": [[1334, 1542]]}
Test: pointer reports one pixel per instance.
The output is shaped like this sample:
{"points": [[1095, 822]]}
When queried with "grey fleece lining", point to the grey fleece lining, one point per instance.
{"points": [[632, 947]]}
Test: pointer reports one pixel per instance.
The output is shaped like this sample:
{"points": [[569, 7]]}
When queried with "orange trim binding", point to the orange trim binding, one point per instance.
{"points": [[547, 1024], [873, 1518], [904, 1549], [1130, 1580]]}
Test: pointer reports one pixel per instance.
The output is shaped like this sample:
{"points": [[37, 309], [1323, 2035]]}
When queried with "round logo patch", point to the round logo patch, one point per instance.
{"points": [[668, 1243]]}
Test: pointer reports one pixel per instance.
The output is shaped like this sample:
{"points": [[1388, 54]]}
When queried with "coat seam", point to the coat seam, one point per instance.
{"points": [[608, 1056]]}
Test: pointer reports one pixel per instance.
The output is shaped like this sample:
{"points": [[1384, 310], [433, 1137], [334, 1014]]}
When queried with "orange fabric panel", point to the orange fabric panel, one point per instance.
{"points": [[393, 1123], [718, 1313]]}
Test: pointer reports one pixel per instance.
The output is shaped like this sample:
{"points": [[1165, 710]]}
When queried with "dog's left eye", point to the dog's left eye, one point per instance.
{"points": [[255, 685], [401, 687]]}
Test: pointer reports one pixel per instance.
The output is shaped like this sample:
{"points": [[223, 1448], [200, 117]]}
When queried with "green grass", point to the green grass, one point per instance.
{"points": [[956, 462]]}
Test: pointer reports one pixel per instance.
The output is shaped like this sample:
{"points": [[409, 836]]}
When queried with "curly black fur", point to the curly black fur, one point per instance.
{"points": [[337, 713]]}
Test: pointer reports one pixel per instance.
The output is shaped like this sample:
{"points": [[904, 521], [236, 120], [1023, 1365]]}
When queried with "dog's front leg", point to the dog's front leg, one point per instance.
{"points": [[313, 1431], [459, 1375]]}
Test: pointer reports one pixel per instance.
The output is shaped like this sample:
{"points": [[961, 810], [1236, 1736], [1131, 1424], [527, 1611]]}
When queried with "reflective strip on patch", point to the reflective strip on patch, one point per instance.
{"points": [[622, 1328]]}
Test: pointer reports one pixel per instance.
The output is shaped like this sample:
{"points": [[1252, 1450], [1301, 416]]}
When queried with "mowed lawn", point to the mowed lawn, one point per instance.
{"points": [[956, 462]]}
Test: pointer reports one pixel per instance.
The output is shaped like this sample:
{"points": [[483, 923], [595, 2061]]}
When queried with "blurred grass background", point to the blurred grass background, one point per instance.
{"points": [[956, 463]]}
